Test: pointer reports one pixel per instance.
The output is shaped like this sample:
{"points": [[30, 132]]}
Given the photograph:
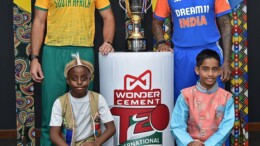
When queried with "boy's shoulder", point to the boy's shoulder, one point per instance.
{"points": [[188, 89], [97, 95], [66, 95], [191, 89], [187, 92], [63, 97], [226, 93], [94, 93]]}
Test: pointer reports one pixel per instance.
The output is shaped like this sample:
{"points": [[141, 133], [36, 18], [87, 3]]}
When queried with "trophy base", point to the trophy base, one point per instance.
{"points": [[136, 44]]}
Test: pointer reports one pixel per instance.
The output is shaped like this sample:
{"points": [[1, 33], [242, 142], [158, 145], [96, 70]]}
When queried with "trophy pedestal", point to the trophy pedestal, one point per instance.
{"points": [[136, 44], [150, 75]]}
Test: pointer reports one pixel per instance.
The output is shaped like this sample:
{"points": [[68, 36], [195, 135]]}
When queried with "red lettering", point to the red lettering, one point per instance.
{"points": [[125, 114]]}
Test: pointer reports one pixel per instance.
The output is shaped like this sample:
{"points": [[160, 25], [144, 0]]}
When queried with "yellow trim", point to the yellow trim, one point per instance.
{"points": [[154, 4], [25, 4]]}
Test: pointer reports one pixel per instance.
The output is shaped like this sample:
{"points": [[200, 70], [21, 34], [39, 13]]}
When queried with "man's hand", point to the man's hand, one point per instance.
{"points": [[36, 71], [164, 48], [196, 143], [225, 72], [106, 48]]}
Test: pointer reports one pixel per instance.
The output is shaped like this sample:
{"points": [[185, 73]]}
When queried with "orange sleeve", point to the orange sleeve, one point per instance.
{"points": [[222, 6], [162, 8]]}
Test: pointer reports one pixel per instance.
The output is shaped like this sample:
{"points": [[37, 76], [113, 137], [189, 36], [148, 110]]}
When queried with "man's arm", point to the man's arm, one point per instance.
{"points": [[226, 36], [38, 28], [109, 132], [159, 35], [224, 129], [55, 136], [108, 31]]}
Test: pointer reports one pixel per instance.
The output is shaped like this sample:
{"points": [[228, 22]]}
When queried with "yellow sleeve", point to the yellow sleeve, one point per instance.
{"points": [[42, 4], [102, 4]]}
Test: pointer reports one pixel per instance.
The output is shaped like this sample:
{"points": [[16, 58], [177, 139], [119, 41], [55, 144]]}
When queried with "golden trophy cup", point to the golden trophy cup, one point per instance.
{"points": [[135, 10]]}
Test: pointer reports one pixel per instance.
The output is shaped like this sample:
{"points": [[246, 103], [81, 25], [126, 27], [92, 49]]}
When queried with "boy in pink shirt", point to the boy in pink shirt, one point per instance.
{"points": [[203, 114]]}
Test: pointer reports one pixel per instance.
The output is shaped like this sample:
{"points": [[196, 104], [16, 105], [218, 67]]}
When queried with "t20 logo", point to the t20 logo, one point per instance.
{"points": [[139, 108]]}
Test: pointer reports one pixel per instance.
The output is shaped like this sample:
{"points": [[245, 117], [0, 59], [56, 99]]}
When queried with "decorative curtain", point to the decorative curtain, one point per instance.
{"points": [[24, 85], [239, 82]]}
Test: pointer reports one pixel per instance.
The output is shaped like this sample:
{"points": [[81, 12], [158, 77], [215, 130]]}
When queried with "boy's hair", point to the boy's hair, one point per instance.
{"points": [[206, 54], [78, 62]]}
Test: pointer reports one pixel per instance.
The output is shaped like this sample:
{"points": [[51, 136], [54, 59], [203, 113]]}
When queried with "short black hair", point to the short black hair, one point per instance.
{"points": [[206, 54]]}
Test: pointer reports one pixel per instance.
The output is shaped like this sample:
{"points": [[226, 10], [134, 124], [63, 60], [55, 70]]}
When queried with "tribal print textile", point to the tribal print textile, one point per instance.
{"points": [[24, 85]]}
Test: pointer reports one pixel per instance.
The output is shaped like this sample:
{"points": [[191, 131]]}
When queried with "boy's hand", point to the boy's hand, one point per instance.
{"points": [[95, 143], [88, 144], [196, 143]]}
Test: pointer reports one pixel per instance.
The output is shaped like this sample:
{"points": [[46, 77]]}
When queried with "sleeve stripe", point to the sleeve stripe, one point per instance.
{"points": [[107, 7], [158, 17], [39, 8], [223, 13]]}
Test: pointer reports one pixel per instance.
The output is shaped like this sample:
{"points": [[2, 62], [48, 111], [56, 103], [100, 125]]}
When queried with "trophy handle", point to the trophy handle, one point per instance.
{"points": [[127, 5], [148, 6], [122, 5]]}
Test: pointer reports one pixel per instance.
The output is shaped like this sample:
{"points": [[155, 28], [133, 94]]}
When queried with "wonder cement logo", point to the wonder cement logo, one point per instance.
{"points": [[142, 116]]}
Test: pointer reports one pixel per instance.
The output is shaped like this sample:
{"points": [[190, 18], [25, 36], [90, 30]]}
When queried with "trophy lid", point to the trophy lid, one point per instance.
{"points": [[136, 6]]}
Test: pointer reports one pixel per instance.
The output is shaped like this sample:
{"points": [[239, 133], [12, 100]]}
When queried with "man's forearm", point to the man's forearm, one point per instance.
{"points": [[109, 27], [37, 39], [226, 35], [158, 30], [38, 28]]}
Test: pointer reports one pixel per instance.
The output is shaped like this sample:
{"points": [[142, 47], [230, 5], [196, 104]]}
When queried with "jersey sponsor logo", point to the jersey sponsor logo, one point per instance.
{"points": [[192, 10], [187, 16], [192, 21], [142, 116]]}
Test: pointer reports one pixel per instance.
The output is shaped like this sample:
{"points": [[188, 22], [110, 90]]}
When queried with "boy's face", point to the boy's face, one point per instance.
{"points": [[208, 71], [78, 80]]}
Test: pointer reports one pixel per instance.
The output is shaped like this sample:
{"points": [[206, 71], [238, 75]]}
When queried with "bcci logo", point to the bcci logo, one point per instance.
{"points": [[142, 116]]}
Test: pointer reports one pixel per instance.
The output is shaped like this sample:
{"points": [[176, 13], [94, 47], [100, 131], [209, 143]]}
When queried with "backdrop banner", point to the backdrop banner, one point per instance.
{"points": [[25, 116], [138, 88]]}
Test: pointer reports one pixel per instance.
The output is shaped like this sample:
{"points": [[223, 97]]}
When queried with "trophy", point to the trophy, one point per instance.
{"points": [[135, 10]]}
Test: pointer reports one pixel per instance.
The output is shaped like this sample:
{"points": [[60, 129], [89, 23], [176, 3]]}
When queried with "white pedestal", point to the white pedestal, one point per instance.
{"points": [[138, 88]]}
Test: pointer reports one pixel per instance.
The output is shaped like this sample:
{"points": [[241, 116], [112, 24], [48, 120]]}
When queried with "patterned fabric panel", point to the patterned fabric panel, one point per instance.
{"points": [[239, 82], [24, 85]]}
